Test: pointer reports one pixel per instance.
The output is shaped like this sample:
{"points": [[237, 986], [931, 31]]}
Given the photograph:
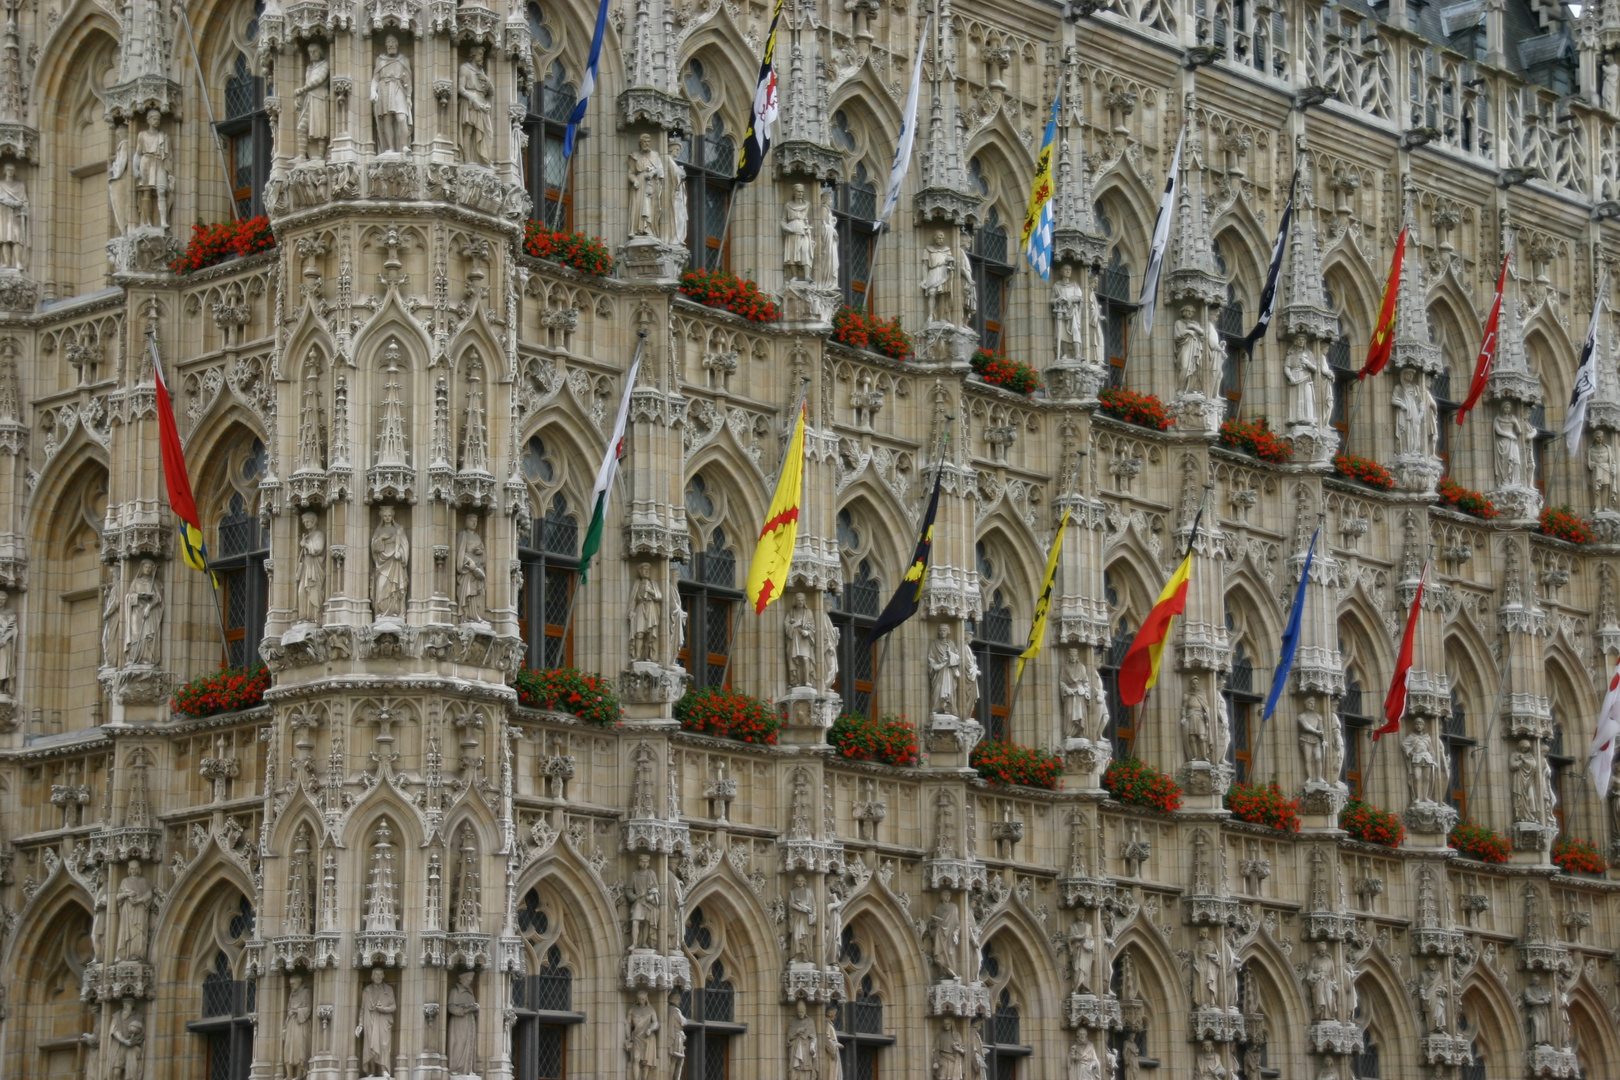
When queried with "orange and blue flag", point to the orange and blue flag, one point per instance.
{"points": [[1383, 338], [181, 501]]}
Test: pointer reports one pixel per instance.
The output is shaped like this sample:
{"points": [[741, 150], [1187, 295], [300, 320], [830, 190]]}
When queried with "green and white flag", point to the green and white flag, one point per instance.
{"points": [[605, 474]]}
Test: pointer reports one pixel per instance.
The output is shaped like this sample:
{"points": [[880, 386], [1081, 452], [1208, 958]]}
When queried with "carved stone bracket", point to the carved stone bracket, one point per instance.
{"points": [[1548, 1061], [1446, 1050], [1087, 892], [655, 836], [958, 875], [1543, 957], [957, 998], [811, 856], [292, 951], [1211, 911], [1433, 941], [138, 685], [651, 684], [1216, 1025], [113, 982], [644, 105], [655, 971], [801, 157], [378, 948], [1095, 1013], [1430, 818], [114, 846], [1329, 926], [813, 985], [1333, 1037]]}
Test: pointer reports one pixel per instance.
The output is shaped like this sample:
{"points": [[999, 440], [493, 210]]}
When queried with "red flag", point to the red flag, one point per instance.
{"points": [[1487, 348], [1139, 670], [181, 501], [1383, 339], [1395, 700]]}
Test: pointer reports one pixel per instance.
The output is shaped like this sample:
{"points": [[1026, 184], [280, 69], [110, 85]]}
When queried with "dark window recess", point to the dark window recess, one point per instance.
{"points": [[861, 1039], [1121, 718], [245, 133], [544, 1004], [1354, 723], [991, 262], [1445, 410], [1004, 1049], [1560, 760], [545, 170], [855, 214], [1114, 294], [1243, 709], [1344, 382], [710, 1010], [238, 558], [550, 562], [994, 653], [711, 162], [1364, 1062], [709, 595], [1231, 330], [854, 613], [225, 1022]]}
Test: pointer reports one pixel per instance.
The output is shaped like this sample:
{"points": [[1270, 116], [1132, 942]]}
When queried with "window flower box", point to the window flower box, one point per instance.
{"points": [[1371, 824], [1577, 857], [1002, 762], [1478, 842], [889, 739], [1263, 805], [1562, 523], [1363, 471], [211, 245], [717, 710], [1256, 437], [997, 370], [587, 254], [859, 330], [569, 690], [740, 296], [1136, 783], [222, 691], [1457, 497], [1143, 410]]}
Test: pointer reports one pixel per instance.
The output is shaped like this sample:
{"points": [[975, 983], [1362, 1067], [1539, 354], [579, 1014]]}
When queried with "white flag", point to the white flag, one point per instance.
{"points": [[908, 131], [1161, 239], [1586, 376], [1600, 762]]}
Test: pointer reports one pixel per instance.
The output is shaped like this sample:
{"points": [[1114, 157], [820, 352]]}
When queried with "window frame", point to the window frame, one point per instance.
{"points": [[1241, 699], [242, 569], [703, 1034], [700, 594], [1353, 725], [854, 229], [541, 125], [982, 268], [854, 625], [254, 125], [540, 563], [702, 178]]}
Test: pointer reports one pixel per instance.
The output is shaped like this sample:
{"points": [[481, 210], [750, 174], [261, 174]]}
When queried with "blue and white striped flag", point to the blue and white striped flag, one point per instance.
{"points": [[1037, 233], [587, 84]]}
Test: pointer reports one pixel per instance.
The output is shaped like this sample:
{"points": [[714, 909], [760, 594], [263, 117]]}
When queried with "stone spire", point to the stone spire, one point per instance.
{"points": [[147, 43], [1305, 308], [650, 96], [945, 195], [1193, 275], [1511, 377], [804, 148], [1075, 237], [1413, 348]]}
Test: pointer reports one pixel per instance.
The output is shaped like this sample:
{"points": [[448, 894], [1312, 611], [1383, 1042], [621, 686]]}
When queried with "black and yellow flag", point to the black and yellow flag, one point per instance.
{"points": [[1043, 603], [908, 595], [757, 140]]}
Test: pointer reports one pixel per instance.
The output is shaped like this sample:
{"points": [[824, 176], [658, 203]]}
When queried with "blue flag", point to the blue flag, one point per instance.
{"points": [[588, 83], [1290, 638]]}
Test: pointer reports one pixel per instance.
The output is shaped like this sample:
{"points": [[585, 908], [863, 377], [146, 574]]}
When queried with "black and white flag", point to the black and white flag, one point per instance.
{"points": [[1586, 376], [1161, 239], [1268, 295]]}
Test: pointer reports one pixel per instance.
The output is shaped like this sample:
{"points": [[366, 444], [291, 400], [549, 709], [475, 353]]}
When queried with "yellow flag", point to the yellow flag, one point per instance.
{"points": [[768, 570], [1043, 603]]}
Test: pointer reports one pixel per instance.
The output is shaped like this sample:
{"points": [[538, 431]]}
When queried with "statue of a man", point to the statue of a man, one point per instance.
{"points": [[1206, 969], [1600, 459], [1082, 955], [1311, 738], [939, 265], [1195, 722], [1069, 303], [1191, 341], [830, 635], [641, 1038], [944, 670], [314, 109], [471, 572], [641, 893], [950, 1055], [376, 1028], [1538, 1011], [1525, 784], [1300, 371], [153, 177], [391, 90], [1508, 434], [112, 619], [1324, 983], [126, 1050], [1207, 1063], [311, 568], [1436, 997], [295, 1028], [1074, 689], [798, 238], [803, 1045], [135, 899], [1414, 415], [801, 921], [13, 219], [477, 93], [799, 627], [644, 616], [8, 643], [944, 933], [390, 562], [462, 1035], [826, 274], [646, 187], [1422, 770], [143, 616], [674, 210]]}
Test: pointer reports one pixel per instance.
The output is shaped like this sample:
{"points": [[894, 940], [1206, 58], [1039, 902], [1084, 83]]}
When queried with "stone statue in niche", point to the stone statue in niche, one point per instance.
{"points": [[376, 1027], [799, 628], [798, 237], [390, 563], [1070, 304], [392, 88], [1436, 995], [1074, 689], [135, 901], [676, 1026], [311, 568], [143, 616], [126, 1044], [1191, 341], [314, 107], [112, 618], [646, 187], [1600, 459], [831, 1048], [1207, 1063], [803, 1045], [1082, 955], [1084, 1064], [295, 1028], [1333, 756], [674, 211], [1525, 784], [1322, 978], [1509, 433], [641, 1038], [1611, 87], [462, 1034], [645, 617], [969, 702], [641, 893], [1099, 705], [830, 635], [153, 174], [1538, 1011], [1549, 795], [826, 275], [1301, 370], [944, 671], [471, 572], [1414, 415], [950, 1055], [1206, 970], [477, 94], [1422, 769], [13, 219], [1195, 722], [939, 268], [801, 922], [1311, 738], [8, 643], [944, 933]]}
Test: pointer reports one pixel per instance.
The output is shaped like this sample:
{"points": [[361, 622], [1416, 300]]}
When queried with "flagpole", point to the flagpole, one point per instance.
{"points": [[871, 267], [562, 192]]}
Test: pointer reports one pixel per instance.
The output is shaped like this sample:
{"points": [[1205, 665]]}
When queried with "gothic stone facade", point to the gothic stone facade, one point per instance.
{"points": [[394, 416]]}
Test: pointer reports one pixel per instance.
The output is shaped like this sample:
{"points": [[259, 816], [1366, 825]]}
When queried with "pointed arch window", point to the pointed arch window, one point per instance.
{"points": [[991, 262], [711, 162], [1242, 704], [227, 1004], [991, 641], [1354, 722], [1343, 370], [545, 170], [245, 131], [549, 556], [238, 557], [855, 213], [1121, 728], [859, 1020], [709, 594], [1364, 1062], [543, 999], [1004, 1050], [1114, 297], [1454, 738], [854, 612], [710, 1010], [1559, 760]]}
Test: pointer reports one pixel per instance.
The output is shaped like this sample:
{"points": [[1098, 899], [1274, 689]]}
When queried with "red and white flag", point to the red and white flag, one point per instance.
{"points": [[1487, 348], [1600, 762], [1395, 700]]}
